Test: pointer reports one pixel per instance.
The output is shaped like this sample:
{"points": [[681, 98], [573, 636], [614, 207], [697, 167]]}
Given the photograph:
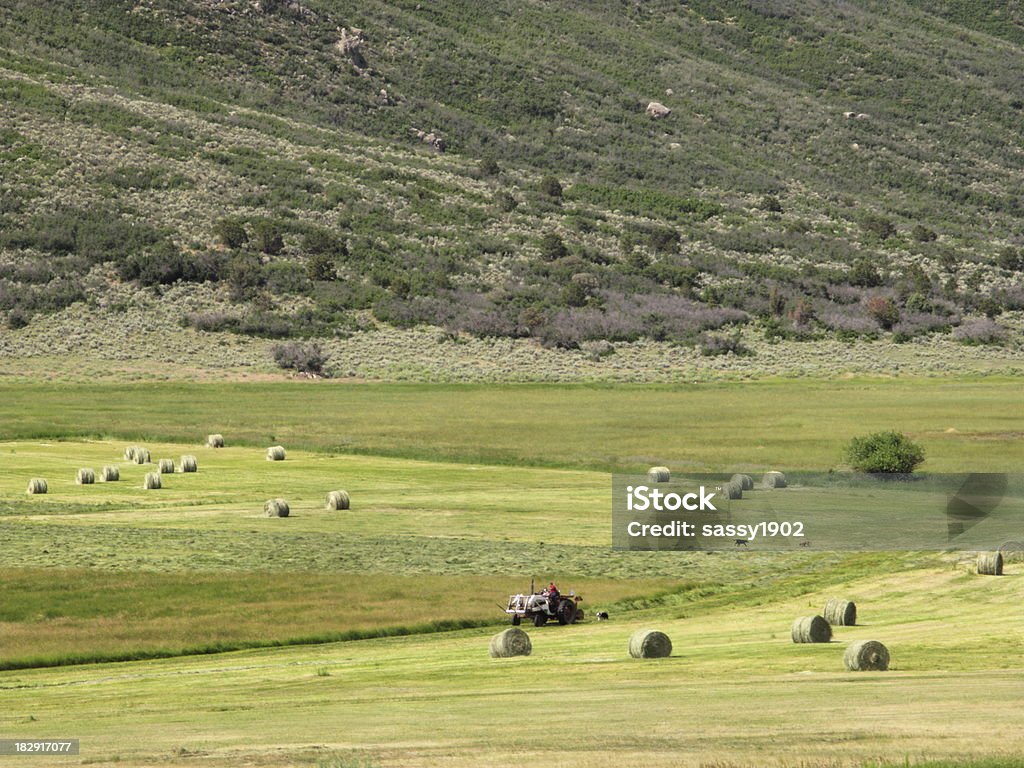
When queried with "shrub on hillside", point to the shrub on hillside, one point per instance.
{"points": [[305, 358], [884, 452], [231, 233]]}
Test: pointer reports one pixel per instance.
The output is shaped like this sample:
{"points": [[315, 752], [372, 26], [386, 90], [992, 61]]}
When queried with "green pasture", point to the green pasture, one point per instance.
{"points": [[736, 691], [964, 424], [359, 637]]}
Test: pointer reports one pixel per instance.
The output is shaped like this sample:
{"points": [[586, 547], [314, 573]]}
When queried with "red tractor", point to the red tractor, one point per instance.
{"points": [[538, 607]]}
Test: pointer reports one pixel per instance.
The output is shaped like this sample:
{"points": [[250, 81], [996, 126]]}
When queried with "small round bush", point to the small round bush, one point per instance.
{"points": [[887, 452]]}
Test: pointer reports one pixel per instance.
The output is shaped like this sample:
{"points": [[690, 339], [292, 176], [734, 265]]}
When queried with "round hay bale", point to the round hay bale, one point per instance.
{"points": [[659, 474], [37, 485], [166, 466], [774, 480], [129, 452], [275, 453], [746, 481], [865, 656], [811, 629], [511, 642], [110, 474], [152, 481], [840, 613], [276, 508], [189, 464], [338, 500], [85, 476], [649, 644], [142, 456], [990, 563], [215, 441], [733, 489]]}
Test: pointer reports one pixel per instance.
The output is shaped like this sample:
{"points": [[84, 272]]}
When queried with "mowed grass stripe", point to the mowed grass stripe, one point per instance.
{"points": [[55, 617]]}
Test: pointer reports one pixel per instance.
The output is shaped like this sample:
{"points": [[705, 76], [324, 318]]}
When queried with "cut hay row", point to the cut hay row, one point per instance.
{"points": [[866, 655], [275, 453], [811, 629], [189, 464], [746, 482], [37, 485], [152, 481], [276, 508], [166, 466], [338, 500], [990, 563], [658, 474], [85, 476], [512, 642], [649, 644], [110, 474], [215, 441], [840, 613], [773, 480]]}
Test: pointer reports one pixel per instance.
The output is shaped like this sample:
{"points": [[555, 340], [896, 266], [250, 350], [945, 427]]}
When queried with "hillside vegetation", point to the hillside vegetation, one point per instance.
{"points": [[826, 172]]}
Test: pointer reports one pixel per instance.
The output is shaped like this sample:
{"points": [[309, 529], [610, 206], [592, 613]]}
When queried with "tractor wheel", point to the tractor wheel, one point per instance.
{"points": [[567, 612], [516, 620], [539, 620]]}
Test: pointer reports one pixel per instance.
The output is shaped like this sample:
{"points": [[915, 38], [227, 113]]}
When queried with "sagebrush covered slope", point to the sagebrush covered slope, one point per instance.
{"points": [[825, 171]]}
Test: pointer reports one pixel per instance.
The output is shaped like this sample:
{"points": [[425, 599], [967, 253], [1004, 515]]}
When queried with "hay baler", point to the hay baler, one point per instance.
{"points": [[538, 607]]}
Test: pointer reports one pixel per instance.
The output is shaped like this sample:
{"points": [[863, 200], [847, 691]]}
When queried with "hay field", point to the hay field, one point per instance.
{"points": [[362, 635]]}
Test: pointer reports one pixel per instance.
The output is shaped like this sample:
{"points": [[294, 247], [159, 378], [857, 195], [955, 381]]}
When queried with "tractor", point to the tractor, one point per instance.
{"points": [[538, 607]]}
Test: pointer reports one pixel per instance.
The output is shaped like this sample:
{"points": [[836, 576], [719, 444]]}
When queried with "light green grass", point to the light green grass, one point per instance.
{"points": [[735, 692], [784, 424]]}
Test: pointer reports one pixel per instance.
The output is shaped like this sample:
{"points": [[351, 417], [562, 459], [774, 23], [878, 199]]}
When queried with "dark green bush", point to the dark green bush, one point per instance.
{"points": [[884, 452], [231, 233]]}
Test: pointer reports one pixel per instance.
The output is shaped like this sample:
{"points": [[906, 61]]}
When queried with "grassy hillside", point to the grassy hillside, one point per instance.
{"points": [[249, 146]]}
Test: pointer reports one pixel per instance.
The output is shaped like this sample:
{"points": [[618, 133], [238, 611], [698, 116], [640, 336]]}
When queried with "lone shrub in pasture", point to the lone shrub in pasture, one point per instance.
{"points": [[886, 452]]}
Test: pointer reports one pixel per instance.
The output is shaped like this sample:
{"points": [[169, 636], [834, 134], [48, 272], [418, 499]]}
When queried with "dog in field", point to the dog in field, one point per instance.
{"points": [[805, 543], [602, 615], [741, 542]]}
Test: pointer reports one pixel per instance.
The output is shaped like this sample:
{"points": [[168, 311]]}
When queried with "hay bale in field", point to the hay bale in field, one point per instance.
{"points": [[166, 466], [129, 452], [110, 474], [990, 563], [840, 613], [733, 489], [746, 481], [141, 456], [215, 441], [511, 642], [649, 644], [275, 453], [774, 480], [37, 485], [276, 508], [659, 474], [189, 464], [338, 500], [85, 476], [152, 481], [865, 656], [811, 629]]}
